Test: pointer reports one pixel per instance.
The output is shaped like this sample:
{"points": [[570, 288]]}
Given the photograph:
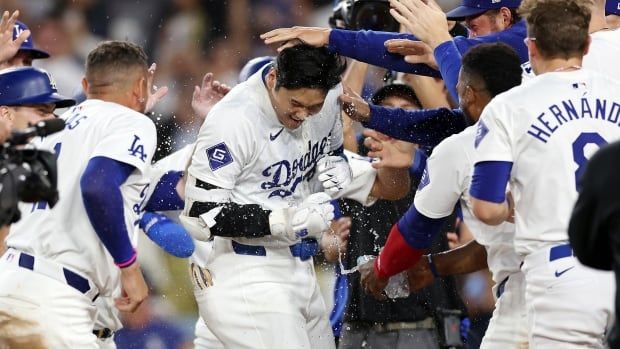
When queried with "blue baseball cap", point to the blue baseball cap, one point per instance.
{"points": [[476, 7], [29, 85], [254, 65], [28, 45], [612, 7]]}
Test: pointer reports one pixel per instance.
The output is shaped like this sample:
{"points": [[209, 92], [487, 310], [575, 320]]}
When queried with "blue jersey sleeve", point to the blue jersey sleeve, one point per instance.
{"points": [[100, 184], [448, 59], [490, 180], [427, 127], [369, 47]]}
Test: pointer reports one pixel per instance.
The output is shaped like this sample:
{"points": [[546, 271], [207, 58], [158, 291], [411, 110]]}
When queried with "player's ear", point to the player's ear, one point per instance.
{"points": [[5, 113], [271, 78], [85, 85], [506, 15]]}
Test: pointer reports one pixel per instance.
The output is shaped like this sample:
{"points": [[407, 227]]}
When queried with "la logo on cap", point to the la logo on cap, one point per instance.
{"points": [[18, 30], [52, 81]]}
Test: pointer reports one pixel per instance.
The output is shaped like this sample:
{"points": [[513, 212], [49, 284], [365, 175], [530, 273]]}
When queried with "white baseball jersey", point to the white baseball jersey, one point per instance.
{"points": [[446, 182], [548, 129], [244, 148], [601, 57], [64, 234]]}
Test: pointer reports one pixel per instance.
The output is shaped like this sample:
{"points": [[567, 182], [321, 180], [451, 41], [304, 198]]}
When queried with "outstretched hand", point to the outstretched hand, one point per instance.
{"points": [[425, 20], [392, 153], [415, 52], [8, 46], [313, 36], [207, 95], [155, 94]]}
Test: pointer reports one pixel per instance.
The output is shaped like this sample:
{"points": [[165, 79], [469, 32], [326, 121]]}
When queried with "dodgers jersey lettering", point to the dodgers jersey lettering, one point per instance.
{"points": [[64, 234], [243, 147], [549, 128], [448, 176]]}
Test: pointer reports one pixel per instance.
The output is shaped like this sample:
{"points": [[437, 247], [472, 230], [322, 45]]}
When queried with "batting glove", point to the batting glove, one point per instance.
{"points": [[334, 173], [168, 235], [309, 220]]}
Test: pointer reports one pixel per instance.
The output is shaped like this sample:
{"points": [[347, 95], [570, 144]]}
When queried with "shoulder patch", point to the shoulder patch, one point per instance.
{"points": [[219, 156], [481, 132], [425, 180]]}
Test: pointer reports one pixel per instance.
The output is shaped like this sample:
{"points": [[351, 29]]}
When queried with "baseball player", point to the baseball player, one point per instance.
{"points": [[251, 183], [538, 137], [488, 69], [81, 249], [605, 45]]}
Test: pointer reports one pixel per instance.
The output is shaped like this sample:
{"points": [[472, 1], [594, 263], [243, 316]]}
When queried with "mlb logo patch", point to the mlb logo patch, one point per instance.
{"points": [[219, 156], [481, 132]]}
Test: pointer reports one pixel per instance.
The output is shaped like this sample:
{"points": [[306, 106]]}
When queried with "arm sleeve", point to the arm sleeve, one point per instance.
{"points": [[235, 220], [406, 242], [594, 224], [100, 185], [165, 196], [368, 46], [427, 127], [489, 181], [448, 59]]}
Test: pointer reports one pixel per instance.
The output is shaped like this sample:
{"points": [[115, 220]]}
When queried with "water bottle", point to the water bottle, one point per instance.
{"points": [[398, 285]]}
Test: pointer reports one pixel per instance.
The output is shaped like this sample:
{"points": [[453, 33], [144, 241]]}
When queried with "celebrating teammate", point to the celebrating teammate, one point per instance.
{"points": [[538, 137], [81, 248], [250, 184]]}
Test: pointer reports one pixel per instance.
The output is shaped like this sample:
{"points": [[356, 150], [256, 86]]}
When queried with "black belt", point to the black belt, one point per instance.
{"points": [[103, 333], [379, 327]]}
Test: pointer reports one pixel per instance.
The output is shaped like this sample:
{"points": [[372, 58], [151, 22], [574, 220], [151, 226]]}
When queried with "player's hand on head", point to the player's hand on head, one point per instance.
{"points": [[371, 283], [414, 52], [155, 94], [134, 289], [334, 173], [354, 105], [313, 36], [8, 46], [390, 152], [207, 95]]}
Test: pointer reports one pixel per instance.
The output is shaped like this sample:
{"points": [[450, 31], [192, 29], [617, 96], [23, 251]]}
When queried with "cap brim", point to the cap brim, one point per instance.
{"points": [[461, 12], [59, 100], [36, 54]]}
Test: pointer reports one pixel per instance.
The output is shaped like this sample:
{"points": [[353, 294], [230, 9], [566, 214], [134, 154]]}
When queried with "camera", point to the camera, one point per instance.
{"points": [[26, 174], [364, 14]]}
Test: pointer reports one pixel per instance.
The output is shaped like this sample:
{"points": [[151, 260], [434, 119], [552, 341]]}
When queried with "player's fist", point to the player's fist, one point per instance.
{"points": [[168, 235], [334, 173], [313, 217], [134, 289]]}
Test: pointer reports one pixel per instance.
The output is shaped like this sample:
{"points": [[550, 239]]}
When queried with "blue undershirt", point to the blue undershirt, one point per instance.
{"points": [[100, 184]]}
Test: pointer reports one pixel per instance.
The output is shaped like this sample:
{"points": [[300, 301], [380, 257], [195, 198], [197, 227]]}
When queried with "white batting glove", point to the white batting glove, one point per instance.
{"points": [[334, 173], [310, 219]]}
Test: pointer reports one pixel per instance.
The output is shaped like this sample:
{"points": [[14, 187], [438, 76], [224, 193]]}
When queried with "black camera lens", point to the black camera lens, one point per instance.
{"points": [[371, 15]]}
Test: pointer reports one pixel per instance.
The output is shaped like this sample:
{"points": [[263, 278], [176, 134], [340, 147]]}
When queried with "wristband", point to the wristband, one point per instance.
{"points": [[431, 266]]}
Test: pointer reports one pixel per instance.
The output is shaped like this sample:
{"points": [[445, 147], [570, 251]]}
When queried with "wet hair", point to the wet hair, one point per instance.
{"points": [[110, 57], [560, 27], [497, 66], [305, 66], [395, 90]]}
